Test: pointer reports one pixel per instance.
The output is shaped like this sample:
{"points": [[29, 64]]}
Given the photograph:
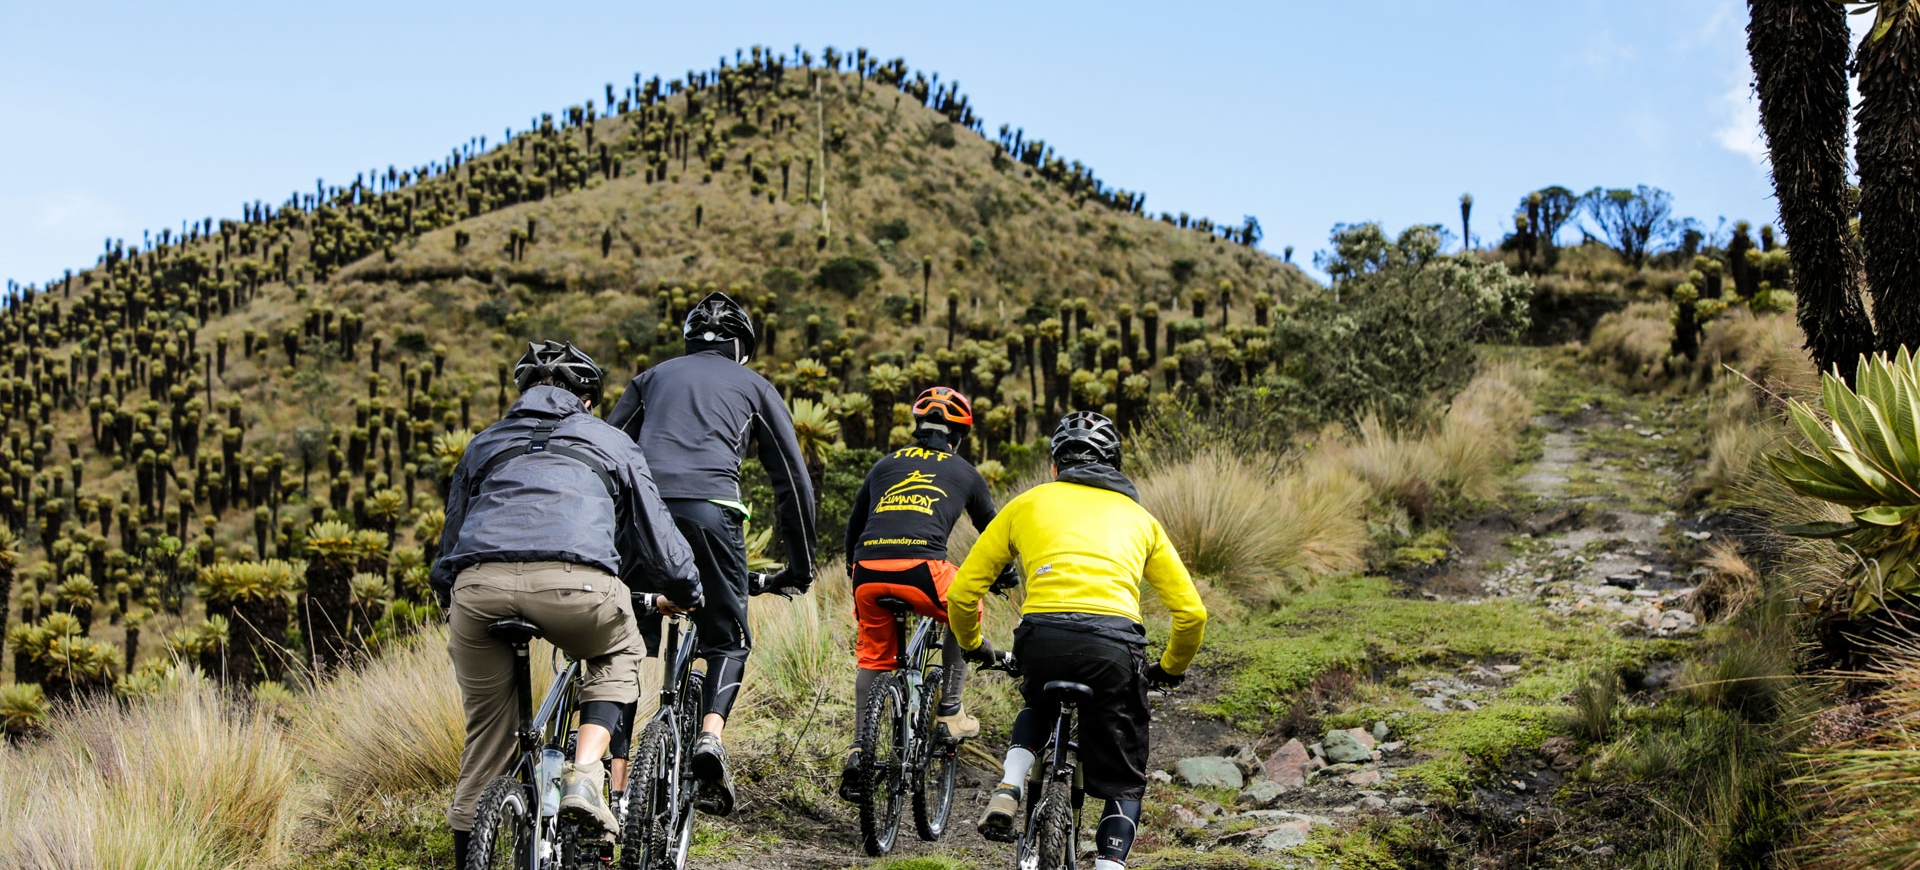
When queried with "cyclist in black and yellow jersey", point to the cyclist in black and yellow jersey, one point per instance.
{"points": [[897, 548], [1085, 545]]}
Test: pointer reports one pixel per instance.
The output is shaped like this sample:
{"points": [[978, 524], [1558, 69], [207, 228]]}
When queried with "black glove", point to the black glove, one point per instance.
{"points": [[980, 655], [789, 582], [1158, 678], [1008, 580]]}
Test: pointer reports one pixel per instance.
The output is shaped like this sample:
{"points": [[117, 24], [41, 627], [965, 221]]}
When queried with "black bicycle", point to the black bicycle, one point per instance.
{"points": [[1055, 789], [657, 823], [901, 751], [517, 823]]}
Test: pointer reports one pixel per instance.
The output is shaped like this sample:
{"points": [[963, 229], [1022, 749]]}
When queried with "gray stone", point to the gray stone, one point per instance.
{"points": [[1343, 745], [1286, 835], [1210, 809], [1263, 793], [1380, 730], [1373, 804], [1436, 704], [1210, 771], [1187, 818], [1288, 765], [1364, 778], [1160, 776], [1393, 746], [1466, 704]]}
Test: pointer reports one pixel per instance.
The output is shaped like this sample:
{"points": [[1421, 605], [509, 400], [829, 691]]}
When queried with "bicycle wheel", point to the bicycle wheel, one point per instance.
{"points": [[936, 765], [1048, 842], [502, 827], [650, 784], [883, 756]]}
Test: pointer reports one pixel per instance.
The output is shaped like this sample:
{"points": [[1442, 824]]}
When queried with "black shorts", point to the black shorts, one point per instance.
{"points": [[720, 553], [1113, 726]]}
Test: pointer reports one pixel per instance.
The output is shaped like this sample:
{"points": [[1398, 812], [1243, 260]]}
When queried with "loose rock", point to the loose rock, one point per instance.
{"points": [[1263, 793], [1288, 765], [1364, 778], [1210, 771], [1285, 835], [1347, 745]]}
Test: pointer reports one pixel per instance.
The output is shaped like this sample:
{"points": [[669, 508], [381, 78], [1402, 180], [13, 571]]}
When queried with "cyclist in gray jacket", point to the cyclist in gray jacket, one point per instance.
{"points": [[694, 418], [549, 510]]}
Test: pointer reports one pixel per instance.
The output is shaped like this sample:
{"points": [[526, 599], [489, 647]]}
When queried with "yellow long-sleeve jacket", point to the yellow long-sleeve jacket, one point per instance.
{"points": [[1084, 549]]}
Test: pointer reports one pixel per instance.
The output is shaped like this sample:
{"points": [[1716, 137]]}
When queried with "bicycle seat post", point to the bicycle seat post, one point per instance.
{"points": [[520, 633]]}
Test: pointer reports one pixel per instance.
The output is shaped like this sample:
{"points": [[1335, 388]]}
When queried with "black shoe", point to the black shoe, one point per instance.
{"points": [[715, 795], [853, 779]]}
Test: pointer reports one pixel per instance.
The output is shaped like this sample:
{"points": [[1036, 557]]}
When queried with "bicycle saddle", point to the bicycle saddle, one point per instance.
{"points": [[1068, 691], [514, 630], [894, 604]]}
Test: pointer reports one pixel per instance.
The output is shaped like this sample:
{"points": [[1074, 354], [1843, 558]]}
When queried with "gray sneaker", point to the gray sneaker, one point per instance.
{"points": [[581, 798]]}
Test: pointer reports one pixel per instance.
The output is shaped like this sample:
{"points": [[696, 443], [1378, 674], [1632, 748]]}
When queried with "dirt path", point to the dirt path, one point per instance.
{"points": [[1583, 538]]}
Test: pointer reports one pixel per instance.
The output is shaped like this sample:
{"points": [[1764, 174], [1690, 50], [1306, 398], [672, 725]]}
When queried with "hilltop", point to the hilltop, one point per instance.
{"points": [[212, 396]]}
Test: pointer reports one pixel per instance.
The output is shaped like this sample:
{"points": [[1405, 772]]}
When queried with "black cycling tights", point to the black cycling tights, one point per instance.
{"points": [[722, 685], [1114, 838]]}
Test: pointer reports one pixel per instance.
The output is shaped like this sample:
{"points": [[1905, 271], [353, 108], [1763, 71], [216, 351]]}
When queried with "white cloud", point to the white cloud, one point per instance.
{"points": [[1740, 132]]}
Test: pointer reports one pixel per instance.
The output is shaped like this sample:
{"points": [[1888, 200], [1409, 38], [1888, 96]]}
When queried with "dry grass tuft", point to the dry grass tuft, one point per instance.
{"points": [[1731, 584], [394, 726], [1635, 342], [1867, 789], [187, 778]]}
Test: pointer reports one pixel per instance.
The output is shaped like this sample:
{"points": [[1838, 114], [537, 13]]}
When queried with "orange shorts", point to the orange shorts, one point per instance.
{"points": [[920, 582]]}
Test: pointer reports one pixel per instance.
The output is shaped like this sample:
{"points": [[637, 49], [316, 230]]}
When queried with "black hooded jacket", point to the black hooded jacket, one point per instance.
{"points": [[693, 417], [549, 506]]}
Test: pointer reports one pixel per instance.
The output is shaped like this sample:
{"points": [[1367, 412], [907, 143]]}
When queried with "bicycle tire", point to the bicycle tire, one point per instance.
{"points": [[1048, 843], [936, 767], [649, 798], [879, 732], [502, 827]]}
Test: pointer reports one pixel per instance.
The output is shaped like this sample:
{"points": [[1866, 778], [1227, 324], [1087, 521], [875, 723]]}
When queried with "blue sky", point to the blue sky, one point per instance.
{"points": [[129, 116]]}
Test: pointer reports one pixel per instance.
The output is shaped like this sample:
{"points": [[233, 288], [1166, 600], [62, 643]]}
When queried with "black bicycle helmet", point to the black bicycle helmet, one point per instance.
{"points": [[565, 364], [1085, 437], [719, 318]]}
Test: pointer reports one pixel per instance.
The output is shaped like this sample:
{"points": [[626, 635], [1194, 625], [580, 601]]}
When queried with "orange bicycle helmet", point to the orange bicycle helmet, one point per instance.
{"points": [[943, 405]]}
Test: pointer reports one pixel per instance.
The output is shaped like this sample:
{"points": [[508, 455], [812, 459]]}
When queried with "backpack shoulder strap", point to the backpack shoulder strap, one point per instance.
{"points": [[539, 442]]}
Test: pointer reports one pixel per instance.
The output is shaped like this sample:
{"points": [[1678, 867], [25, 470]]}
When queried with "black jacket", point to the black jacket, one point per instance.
{"points": [[550, 506], [909, 502], [693, 417]]}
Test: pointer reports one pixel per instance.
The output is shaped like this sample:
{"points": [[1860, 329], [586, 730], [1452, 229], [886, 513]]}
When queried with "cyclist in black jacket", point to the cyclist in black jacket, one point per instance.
{"points": [[549, 511], [693, 417], [897, 547]]}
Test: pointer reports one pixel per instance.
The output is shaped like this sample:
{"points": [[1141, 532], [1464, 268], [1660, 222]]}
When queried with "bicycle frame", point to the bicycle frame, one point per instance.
{"points": [[547, 728]]}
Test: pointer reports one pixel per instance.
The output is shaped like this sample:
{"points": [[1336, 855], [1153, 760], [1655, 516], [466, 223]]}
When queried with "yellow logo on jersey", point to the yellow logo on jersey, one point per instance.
{"points": [[908, 494]]}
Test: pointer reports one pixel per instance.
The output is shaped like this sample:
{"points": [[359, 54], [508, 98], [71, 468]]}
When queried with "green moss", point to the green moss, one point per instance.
{"points": [[1465, 747], [1429, 548], [1357, 623], [925, 862]]}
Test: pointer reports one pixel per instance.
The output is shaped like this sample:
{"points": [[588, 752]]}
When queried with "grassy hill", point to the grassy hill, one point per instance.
{"points": [[212, 397]]}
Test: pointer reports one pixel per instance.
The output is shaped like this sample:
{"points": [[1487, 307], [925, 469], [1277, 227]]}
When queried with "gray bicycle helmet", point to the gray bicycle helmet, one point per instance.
{"points": [[1085, 437], [718, 318], [564, 363]]}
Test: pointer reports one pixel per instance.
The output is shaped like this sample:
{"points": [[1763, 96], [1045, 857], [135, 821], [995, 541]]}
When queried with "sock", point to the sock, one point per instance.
{"points": [[1019, 761], [1107, 864], [955, 665], [863, 680], [461, 841]]}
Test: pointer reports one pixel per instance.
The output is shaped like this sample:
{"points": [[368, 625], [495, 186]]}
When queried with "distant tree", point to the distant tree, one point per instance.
{"points": [[1633, 222], [1466, 221], [1888, 152], [1250, 233]]}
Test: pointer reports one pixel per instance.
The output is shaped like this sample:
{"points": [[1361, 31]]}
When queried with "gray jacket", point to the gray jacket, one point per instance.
{"points": [[550, 506], [694, 417]]}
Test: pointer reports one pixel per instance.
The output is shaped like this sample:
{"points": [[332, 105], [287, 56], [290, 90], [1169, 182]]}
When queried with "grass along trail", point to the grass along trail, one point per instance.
{"points": [[1429, 714]]}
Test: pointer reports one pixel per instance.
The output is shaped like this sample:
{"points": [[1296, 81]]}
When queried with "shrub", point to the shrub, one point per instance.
{"points": [[847, 274], [1634, 342], [895, 230]]}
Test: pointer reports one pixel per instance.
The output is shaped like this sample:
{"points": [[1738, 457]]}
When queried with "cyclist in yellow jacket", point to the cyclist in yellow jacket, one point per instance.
{"points": [[1085, 544]]}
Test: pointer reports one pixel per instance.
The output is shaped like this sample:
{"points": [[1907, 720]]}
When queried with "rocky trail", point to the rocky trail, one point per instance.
{"points": [[1583, 539]]}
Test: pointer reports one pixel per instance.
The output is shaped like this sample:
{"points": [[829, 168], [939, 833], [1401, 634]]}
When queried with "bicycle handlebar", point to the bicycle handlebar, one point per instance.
{"points": [[1003, 662]]}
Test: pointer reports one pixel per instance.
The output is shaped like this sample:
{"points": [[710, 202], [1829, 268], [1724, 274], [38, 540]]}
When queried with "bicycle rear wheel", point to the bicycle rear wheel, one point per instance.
{"points": [[936, 763], [650, 787], [883, 755], [502, 827], [1048, 843]]}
